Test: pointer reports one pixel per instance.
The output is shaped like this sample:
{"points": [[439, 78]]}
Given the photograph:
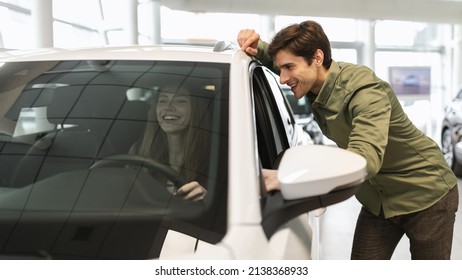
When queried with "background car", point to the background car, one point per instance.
{"points": [[71, 189], [451, 134]]}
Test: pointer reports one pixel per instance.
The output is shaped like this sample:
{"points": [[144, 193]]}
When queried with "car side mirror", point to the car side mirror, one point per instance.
{"points": [[315, 170]]}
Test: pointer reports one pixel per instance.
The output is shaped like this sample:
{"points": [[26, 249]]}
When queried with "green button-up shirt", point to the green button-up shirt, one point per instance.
{"points": [[361, 113], [406, 170]]}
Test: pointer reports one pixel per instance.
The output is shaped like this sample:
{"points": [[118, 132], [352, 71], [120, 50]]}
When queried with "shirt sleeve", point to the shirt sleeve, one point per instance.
{"points": [[264, 58], [370, 112]]}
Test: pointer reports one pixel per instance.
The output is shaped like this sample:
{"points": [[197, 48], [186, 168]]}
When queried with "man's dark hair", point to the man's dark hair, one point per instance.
{"points": [[302, 40]]}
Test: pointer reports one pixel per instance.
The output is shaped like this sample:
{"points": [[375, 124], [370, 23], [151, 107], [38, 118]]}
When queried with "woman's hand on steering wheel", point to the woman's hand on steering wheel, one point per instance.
{"points": [[192, 191]]}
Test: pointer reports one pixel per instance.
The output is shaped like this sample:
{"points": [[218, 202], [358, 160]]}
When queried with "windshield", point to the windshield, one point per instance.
{"points": [[94, 154]]}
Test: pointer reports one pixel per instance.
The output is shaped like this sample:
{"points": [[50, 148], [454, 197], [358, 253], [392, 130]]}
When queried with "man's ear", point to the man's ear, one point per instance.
{"points": [[318, 57]]}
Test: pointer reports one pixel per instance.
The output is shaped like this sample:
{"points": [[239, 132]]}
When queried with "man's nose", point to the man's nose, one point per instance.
{"points": [[283, 78]]}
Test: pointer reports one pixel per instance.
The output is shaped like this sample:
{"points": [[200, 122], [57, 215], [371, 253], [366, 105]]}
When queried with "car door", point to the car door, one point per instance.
{"points": [[277, 131]]}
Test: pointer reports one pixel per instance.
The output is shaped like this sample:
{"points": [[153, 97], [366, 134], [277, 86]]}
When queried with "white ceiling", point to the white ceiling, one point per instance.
{"points": [[437, 11]]}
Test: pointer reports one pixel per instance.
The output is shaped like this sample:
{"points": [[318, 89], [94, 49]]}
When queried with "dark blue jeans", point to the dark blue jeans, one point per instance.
{"points": [[430, 232]]}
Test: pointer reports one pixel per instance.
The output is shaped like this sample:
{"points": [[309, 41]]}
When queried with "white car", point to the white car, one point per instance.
{"points": [[70, 187]]}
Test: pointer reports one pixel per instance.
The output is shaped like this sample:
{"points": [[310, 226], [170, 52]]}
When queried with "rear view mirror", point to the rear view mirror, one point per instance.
{"points": [[315, 170]]}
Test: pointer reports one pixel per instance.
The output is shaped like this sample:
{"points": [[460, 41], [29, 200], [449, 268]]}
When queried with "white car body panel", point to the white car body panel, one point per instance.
{"points": [[243, 176], [171, 53]]}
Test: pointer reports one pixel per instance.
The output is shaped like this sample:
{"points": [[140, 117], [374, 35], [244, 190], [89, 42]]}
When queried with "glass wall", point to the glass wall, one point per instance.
{"points": [[409, 46], [181, 26], [15, 19]]}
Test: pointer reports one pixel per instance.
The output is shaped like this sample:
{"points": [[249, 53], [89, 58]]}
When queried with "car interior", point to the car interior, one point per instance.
{"points": [[58, 191]]}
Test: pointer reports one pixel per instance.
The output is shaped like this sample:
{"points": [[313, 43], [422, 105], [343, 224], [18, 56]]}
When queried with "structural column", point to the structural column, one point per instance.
{"points": [[132, 22], [267, 25], [156, 22], [457, 69], [1, 40], [42, 23], [367, 54]]}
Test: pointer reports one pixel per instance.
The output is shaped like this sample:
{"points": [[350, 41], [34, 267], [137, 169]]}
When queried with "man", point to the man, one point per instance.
{"points": [[409, 188]]}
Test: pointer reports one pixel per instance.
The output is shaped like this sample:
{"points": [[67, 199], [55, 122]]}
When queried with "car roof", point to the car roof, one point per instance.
{"points": [[154, 52]]}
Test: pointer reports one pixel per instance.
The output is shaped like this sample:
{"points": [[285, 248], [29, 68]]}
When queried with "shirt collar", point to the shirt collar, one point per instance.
{"points": [[328, 86]]}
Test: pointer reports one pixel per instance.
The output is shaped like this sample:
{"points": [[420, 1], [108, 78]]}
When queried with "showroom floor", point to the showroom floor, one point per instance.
{"points": [[338, 223]]}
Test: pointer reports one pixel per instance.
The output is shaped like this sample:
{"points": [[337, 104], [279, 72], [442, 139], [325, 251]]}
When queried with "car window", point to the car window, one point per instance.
{"points": [[271, 132], [283, 106], [83, 161], [300, 106]]}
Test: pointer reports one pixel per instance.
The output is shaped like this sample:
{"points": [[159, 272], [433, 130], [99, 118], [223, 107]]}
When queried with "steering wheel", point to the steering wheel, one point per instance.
{"points": [[128, 159]]}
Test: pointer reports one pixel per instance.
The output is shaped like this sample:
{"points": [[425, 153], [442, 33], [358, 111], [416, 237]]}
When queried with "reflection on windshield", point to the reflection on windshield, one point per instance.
{"points": [[106, 152], [32, 121]]}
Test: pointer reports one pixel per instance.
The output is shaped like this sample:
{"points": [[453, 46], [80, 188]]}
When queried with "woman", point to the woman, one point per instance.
{"points": [[177, 134]]}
